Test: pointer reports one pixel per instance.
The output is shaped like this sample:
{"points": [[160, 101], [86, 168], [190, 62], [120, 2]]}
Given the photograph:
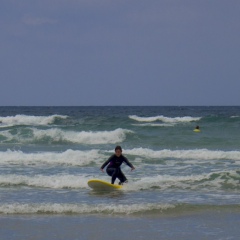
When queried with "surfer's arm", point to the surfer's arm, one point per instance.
{"points": [[103, 166], [106, 163], [129, 164]]}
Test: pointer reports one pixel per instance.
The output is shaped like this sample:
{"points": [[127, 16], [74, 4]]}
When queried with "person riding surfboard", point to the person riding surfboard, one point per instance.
{"points": [[114, 166]]}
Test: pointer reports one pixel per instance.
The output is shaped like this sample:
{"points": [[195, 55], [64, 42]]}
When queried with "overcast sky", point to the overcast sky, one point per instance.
{"points": [[119, 52]]}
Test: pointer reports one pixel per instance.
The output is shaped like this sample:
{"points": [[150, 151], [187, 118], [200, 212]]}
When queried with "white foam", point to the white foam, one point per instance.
{"points": [[155, 124], [58, 208], [68, 157], [83, 137], [165, 119], [202, 154], [59, 135], [83, 158], [206, 182], [28, 120], [165, 182], [42, 181]]}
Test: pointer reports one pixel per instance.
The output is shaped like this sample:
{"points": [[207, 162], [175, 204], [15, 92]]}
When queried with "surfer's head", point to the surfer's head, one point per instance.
{"points": [[118, 151], [118, 148]]}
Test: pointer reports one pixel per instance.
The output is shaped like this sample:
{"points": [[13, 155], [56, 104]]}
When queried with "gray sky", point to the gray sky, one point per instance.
{"points": [[119, 52]]}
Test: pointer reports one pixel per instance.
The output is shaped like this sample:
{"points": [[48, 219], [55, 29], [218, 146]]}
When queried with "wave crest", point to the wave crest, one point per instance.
{"points": [[57, 135], [164, 119], [58, 208], [29, 120], [68, 157], [201, 154]]}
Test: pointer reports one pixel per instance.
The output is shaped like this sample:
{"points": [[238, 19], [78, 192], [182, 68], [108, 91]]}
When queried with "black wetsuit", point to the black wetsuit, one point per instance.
{"points": [[113, 168]]}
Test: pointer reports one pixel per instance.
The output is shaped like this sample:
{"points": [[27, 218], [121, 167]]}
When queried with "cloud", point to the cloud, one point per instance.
{"points": [[38, 21]]}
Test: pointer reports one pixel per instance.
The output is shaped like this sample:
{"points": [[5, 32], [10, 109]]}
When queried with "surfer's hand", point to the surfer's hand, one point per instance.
{"points": [[101, 169], [132, 168]]}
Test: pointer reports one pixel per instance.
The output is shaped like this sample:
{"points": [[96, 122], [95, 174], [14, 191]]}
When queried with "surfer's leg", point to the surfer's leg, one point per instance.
{"points": [[113, 172], [121, 177], [110, 171]]}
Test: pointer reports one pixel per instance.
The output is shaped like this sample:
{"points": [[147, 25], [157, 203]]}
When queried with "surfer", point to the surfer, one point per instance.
{"points": [[197, 129], [114, 163]]}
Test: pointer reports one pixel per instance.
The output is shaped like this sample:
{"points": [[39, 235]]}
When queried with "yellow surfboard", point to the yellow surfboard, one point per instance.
{"points": [[197, 130], [101, 185]]}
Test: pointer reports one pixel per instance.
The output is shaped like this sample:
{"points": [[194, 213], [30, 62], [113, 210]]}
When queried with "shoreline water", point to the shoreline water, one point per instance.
{"points": [[193, 225]]}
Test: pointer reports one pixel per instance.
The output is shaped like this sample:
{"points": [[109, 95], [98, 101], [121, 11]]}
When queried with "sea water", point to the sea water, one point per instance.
{"points": [[47, 155]]}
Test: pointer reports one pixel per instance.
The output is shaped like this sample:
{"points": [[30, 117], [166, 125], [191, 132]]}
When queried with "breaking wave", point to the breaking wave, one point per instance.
{"points": [[29, 120], [57, 135], [68, 157], [164, 119], [202, 154], [58, 208], [84, 158]]}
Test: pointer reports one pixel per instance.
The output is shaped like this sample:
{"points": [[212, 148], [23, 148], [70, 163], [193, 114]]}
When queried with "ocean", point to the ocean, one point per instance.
{"points": [[186, 184]]}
